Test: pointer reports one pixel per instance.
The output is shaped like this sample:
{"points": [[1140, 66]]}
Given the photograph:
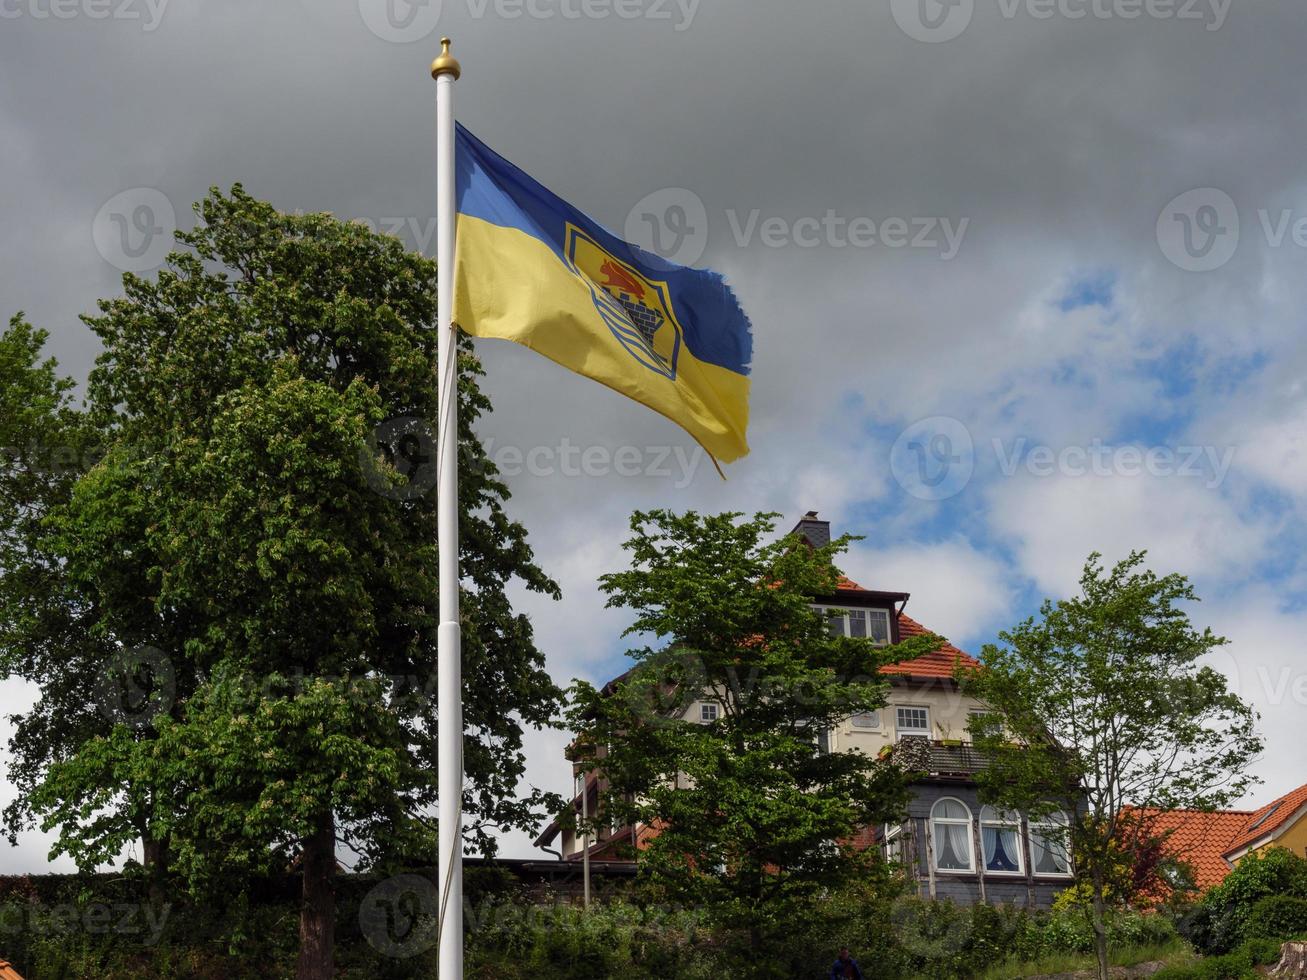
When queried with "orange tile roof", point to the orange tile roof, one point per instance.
{"points": [[938, 663], [1205, 840], [7, 972], [1198, 838], [1269, 818]]}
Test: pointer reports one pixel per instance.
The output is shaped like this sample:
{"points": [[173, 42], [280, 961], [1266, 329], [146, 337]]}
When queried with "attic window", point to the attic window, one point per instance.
{"points": [[707, 712], [862, 624], [1266, 816]]}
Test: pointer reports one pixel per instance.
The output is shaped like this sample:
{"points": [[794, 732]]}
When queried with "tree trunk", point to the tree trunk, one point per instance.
{"points": [[1100, 928], [1293, 962], [318, 904], [154, 855]]}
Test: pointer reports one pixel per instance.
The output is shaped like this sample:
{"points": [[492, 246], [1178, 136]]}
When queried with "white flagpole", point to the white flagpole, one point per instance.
{"points": [[446, 70]]}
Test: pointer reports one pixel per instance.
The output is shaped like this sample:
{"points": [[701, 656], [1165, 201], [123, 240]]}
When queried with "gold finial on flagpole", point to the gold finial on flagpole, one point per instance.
{"points": [[446, 64]]}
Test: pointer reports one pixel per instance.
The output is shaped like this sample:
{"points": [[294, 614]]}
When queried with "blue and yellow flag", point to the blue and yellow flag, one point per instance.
{"points": [[534, 270]]}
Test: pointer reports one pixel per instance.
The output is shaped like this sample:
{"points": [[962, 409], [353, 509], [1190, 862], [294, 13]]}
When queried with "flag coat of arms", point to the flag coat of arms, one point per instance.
{"points": [[532, 269]]}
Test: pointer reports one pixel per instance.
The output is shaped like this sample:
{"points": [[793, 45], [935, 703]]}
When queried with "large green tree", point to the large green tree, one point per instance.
{"points": [[1102, 708], [755, 817], [255, 558], [45, 444]]}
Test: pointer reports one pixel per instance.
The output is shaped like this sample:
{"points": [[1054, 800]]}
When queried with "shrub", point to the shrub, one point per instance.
{"points": [[1068, 930], [1277, 917], [1238, 965], [1218, 924]]}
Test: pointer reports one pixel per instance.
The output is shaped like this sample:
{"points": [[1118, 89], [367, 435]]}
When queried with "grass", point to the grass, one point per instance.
{"points": [[1174, 953]]}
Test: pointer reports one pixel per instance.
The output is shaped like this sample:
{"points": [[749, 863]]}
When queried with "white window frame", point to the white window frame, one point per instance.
{"points": [[952, 822], [707, 708], [993, 817], [1054, 821], [869, 610], [894, 841], [826, 735], [899, 730]]}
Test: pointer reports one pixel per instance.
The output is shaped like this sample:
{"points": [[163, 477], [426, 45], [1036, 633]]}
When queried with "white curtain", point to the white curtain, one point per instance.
{"points": [[1000, 844], [1048, 850], [954, 846]]}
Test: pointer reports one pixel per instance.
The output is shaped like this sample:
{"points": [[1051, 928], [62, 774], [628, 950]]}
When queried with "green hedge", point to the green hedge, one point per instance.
{"points": [[1220, 922], [1277, 917], [1237, 965], [65, 930]]}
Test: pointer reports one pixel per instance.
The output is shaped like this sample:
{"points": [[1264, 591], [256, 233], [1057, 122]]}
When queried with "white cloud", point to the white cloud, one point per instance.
{"points": [[1054, 523], [1266, 663], [957, 590]]}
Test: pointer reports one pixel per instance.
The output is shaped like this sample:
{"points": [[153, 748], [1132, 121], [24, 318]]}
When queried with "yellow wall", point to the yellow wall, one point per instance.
{"points": [[1295, 839]]}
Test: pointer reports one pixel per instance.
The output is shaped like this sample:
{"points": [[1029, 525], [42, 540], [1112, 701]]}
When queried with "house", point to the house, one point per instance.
{"points": [[1211, 843], [950, 845]]}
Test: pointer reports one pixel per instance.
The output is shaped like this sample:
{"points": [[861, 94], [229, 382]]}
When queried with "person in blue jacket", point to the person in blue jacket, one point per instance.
{"points": [[845, 966]]}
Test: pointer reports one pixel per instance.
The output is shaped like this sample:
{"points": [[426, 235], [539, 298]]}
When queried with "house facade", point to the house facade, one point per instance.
{"points": [[949, 844]]}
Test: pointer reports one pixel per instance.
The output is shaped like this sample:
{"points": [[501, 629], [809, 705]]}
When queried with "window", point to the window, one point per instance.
{"points": [[894, 843], [1000, 841], [866, 719], [912, 720], [870, 624], [707, 712], [1048, 845], [951, 828], [824, 741]]}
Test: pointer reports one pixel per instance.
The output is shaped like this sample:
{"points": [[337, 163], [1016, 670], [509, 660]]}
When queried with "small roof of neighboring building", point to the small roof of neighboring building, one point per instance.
{"points": [[1210, 841], [1269, 820], [1199, 838], [7, 972]]}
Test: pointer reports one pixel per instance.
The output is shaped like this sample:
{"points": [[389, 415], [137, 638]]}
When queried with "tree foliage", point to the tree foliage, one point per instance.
{"points": [[251, 557], [1103, 708], [754, 818]]}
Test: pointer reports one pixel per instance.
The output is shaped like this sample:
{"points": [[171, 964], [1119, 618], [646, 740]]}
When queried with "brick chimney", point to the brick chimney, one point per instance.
{"points": [[815, 532]]}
